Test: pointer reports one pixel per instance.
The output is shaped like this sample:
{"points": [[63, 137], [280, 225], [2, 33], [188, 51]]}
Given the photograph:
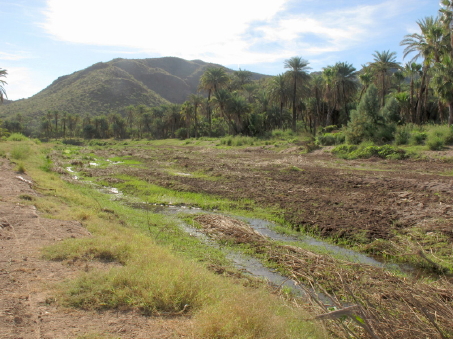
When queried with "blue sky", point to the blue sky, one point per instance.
{"points": [[45, 39]]}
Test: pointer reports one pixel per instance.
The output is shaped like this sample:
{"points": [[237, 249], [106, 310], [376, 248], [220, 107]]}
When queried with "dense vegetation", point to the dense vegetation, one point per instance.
{"points": [[370, 104]]}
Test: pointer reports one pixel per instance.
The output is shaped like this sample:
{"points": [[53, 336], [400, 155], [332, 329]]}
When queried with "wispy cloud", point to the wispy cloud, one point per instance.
{"points": [[240, 31], [14, 56]]}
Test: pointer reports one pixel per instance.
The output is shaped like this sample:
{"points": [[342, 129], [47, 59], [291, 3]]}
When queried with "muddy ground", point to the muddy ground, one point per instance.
{"points": [[27, 296], [359, 200]]}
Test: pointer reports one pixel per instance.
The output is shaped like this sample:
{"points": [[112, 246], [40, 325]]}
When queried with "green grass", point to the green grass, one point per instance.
{"points": [[153, 267]]}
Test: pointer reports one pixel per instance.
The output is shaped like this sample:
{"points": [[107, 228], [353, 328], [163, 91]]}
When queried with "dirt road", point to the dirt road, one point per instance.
{"points": [[27, 299]]}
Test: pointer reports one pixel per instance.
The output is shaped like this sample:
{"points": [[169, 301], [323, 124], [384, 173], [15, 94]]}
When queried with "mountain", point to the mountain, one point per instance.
{"points": [[110, 86]]}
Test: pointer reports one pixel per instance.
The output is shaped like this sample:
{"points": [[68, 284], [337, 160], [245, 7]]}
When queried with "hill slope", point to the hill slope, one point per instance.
{"points": [[107, 87]]}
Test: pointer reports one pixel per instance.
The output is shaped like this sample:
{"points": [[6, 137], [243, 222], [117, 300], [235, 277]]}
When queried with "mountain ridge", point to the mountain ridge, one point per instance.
{"points": [[106, 87]]}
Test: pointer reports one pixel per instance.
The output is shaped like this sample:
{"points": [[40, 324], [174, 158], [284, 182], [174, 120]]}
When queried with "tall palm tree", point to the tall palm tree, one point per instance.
{"points": [[298, 71], [365, 78], [329, 76], [442, 82], [212, 80], [382, 63], [279, 92], [3, 74], [196, 101], [446, 12], [412, 71], [346, 83], [316, 88], [428, 45]]}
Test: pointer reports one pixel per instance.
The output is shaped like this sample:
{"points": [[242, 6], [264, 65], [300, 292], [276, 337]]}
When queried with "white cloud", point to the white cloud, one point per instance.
{"points": [[22, 82], [192, 29], [233, 32]]}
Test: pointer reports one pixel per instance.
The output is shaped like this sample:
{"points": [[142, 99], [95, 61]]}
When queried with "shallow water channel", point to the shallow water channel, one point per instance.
{"points": [[241, 261]]}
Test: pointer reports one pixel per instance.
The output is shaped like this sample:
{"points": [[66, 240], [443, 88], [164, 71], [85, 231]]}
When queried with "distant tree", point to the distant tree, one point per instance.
{"points": [[365, 78], [211, 81], [383, 62], [240, 78], [279, 93], [412, 71], [56, 115], [196, 101], [443, 83], [64, 121], [3, 74], [428, 45], [298, 71]]}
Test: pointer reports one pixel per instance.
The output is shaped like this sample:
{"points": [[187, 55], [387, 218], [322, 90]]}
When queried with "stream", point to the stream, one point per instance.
{"points": [[241, 261]]}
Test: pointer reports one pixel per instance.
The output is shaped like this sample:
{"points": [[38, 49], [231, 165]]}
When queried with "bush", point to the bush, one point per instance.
{"points": [[327, 139], [435, 143], [438, 137], [20, 152], [74, 142], [17, 137], [368, 151], [402, 135], [181, 133], [418, 138]]}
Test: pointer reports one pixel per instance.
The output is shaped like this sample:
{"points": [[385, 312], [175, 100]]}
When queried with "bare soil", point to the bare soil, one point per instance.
{"points": [[364, 199], [28, 305]]}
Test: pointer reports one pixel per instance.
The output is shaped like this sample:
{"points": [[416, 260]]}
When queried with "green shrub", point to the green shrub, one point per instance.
{"points": [[402, 135], [17, 137], [327, 139], [435, 143], [74, 142], [438, 137], [20, 152], [20, 168], [368, 151], [418, 138], [181, 133]]}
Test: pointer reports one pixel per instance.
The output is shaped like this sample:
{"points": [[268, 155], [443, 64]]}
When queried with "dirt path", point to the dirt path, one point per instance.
{"points": [[27, 303]]}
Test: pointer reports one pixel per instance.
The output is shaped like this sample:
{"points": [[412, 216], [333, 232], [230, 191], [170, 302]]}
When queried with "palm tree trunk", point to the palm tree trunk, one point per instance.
{"points": [[383, 89], [411, 102], [294, 106], [420, 96], [450, 113]]}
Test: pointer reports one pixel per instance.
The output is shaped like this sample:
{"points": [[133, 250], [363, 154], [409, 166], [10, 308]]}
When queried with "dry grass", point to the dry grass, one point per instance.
{"points": [[387, 305]]}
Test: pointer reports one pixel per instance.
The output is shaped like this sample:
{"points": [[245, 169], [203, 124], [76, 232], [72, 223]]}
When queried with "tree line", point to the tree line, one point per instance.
{"points": [[367, 102]]}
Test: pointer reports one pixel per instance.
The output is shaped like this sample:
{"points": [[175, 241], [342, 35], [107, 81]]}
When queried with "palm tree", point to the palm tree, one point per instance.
{"points": [[427, 45], [298, 69], [196, 101], [366, 78], [241, 77], [412, 71], [3, 74], [212, 80], [442, 82], [346, 83], [329, 76], [279, 93], [237, 107], [382, 63], [447, 20]]}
